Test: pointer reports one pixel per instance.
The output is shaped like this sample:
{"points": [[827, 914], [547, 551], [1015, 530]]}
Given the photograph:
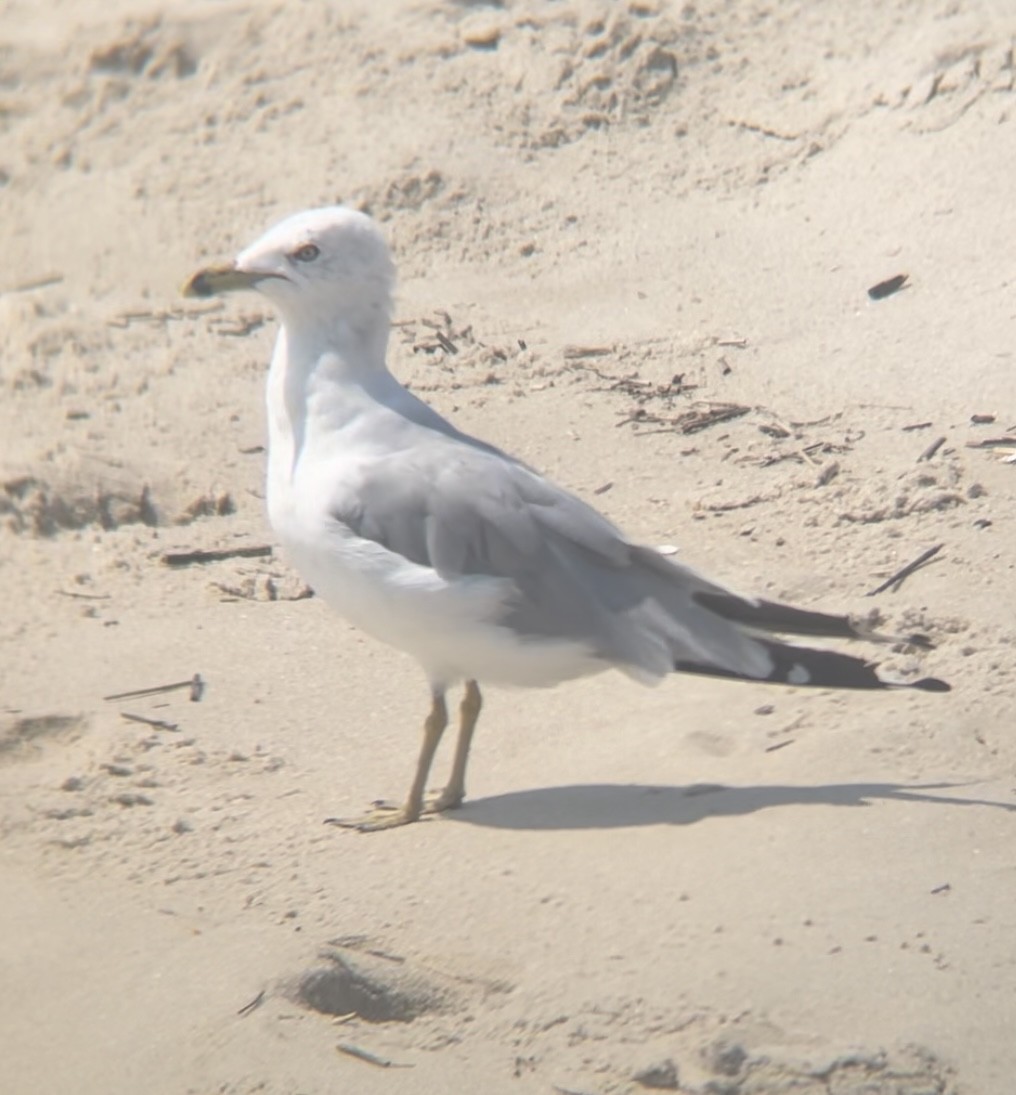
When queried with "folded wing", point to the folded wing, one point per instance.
{"points": [[573, 576]]}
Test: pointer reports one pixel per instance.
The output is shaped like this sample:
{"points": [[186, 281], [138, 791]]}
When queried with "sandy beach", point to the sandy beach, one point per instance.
{"points": [[635, 244]]}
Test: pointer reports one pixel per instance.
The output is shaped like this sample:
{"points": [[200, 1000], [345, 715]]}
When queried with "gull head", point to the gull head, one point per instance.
{"points": [[324, 267]]}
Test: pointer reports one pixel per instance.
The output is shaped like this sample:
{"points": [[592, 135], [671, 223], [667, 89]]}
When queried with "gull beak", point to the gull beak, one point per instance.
{"points": [[221, 279]]}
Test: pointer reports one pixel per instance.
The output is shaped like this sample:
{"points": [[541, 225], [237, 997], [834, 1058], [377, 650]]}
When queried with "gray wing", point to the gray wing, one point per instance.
{"points": [[469, 511]]}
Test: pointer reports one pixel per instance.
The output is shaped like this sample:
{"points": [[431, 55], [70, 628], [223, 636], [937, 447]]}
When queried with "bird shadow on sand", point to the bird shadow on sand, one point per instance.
{"points": [[619, 806]]}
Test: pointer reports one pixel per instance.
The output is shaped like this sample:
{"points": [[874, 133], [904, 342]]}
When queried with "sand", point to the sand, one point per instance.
{"points": [[635, 243]]}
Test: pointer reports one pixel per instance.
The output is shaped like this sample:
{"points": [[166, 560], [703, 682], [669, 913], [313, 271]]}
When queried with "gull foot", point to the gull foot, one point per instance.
{"points": [[446, 800], [390, 815], [435, 802], [382, 816]]}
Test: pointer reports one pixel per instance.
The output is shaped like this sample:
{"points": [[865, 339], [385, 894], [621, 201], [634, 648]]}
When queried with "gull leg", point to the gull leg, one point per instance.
{"points": [[433, 728], [469, 713]]}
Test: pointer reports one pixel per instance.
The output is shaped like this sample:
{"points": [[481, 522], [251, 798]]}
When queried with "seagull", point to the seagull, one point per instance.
{"points": [[457, 553]]}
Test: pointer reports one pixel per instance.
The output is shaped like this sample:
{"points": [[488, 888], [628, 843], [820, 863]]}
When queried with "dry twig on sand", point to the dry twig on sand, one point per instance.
{"points": [[896, 580]]}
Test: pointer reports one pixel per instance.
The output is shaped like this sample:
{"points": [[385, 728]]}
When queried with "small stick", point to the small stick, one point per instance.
{"points": [[714, 413], [159, 724], [570, 353], [933, 448], [38, 283], [446, 343], [195, 684], [727, 507], [888, 287], [215, 555], [253, 1004], [901, 575], [992, 443], [83, 596], [829, 418], [763, 131], [917, 426], [807, 458], [788, 430], [365, 1055]]}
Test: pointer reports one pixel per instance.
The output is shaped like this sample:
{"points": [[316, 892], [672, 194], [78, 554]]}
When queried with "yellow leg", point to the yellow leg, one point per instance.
{"points": [[433, 728], [469, 713]]}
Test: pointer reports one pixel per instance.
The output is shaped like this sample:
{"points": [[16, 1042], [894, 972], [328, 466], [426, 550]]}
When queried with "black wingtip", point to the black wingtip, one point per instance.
{"points": [[774, 617], [932, 684], [808, 667], [778, 618]]}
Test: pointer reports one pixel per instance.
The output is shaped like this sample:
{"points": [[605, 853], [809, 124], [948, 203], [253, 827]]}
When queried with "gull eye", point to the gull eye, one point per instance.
{"points": [[307, 253]]}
